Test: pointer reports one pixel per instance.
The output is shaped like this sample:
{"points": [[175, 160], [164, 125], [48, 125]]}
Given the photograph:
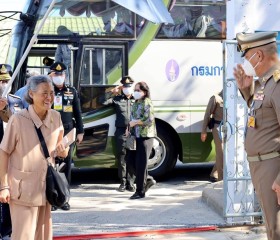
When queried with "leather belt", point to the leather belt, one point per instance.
{"points": [[263, 157]]}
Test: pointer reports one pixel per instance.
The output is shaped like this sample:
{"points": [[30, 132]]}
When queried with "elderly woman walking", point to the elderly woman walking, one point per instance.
{"points": [[23, 166]]}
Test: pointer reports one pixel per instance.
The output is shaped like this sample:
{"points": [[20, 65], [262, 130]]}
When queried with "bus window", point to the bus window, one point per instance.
{"points": [[196, 21], [97, 63], [91, 97], [101, 19]]}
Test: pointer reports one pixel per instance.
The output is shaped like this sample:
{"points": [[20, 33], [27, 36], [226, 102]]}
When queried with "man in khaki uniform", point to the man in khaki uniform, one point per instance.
{"points": [[262, 141], [215, 109]]}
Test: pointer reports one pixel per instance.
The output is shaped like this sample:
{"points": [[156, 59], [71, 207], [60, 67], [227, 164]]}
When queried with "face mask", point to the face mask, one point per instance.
{"points": [[248, 68], [3, 88], [138, 95], [58, 80], [127, 91]]}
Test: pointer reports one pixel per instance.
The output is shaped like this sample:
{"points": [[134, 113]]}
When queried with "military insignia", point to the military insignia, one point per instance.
{"points": [[258, 96], [58, 67], [276, 75], [68, 108], [3, 69], [251, 122]]}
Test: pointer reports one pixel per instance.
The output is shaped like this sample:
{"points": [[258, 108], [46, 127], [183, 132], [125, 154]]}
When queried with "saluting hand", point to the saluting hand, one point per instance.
{"points": [[276, 189], [116, 90], [243, 81]]}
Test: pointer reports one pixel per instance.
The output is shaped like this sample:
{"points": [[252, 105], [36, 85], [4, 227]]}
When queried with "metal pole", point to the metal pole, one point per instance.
{"points": [[27, 50]]}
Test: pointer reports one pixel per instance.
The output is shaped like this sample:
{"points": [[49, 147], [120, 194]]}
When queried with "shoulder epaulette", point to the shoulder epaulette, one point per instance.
{"points": [[276, 75]]}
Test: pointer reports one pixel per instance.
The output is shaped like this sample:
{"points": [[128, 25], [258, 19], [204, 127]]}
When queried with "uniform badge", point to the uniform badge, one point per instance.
{"points": [[57, 104], [251, 122], [58, 67], [276, 75], [258, 96], [3, 69], [68, 108]]}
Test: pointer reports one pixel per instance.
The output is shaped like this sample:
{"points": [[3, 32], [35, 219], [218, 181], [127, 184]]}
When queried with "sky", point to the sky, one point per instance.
{"points": [[11, 5]]}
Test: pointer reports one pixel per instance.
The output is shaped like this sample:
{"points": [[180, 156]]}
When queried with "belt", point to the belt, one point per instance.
{"points": [[263, 157], [217, 122]]}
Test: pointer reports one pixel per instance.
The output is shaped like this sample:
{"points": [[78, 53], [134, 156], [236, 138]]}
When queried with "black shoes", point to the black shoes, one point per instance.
{"points": [[213, 179], [54, 208], [122, 187], [149, 184], [137, 195], [130, 188], [66, 207]]}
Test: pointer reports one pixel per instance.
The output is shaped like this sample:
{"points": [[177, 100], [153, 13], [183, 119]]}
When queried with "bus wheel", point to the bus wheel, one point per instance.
{"points": [[163, 156]]}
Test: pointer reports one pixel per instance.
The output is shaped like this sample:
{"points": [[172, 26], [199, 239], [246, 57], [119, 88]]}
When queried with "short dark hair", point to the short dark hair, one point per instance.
{"points": [[145, 88], [32, 85]]}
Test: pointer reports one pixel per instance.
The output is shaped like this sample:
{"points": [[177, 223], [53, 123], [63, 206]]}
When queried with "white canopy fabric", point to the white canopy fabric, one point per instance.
{"points": [[152, 10]]}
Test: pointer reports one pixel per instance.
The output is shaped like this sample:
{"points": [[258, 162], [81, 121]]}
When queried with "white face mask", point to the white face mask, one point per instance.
{"points": [[58, 80], [3, 88], [127, 91], [138, 95], [248, 68]]}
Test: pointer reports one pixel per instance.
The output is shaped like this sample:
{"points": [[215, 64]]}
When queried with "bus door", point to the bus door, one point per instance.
{"points": [[99, 68]]}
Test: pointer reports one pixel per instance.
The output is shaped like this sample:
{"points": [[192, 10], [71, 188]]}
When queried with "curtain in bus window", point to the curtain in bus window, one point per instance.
{"points": [[152, 10]]}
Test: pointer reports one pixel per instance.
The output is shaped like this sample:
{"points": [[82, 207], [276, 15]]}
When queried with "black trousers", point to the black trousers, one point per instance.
{"points": [[68, 160], [124, 174], [138, 162]]}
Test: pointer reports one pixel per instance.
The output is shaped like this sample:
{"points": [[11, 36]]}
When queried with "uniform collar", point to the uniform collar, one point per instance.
{"points": [[37, 121], [263, 79], [56, 88]]}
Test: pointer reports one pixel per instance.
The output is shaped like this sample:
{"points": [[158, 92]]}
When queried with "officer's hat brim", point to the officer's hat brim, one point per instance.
{"points": [[247, 41]]}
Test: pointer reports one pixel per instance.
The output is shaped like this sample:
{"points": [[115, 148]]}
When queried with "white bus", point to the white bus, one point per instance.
{"points": [[180, 61]]}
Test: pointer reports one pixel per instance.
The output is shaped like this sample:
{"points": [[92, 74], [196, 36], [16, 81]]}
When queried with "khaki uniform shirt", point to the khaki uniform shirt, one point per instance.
{"points": [[214, 108], [27, 164], [265, 107]]}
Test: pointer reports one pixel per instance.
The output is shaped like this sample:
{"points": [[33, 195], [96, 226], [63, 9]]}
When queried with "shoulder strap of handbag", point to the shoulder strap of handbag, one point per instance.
{"points": [[42, 141]]}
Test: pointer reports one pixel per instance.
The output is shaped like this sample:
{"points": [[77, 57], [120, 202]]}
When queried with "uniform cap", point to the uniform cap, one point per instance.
{"points": [[5, 72], [58, 68], [248, 41], [48, 61], [127, 81]]}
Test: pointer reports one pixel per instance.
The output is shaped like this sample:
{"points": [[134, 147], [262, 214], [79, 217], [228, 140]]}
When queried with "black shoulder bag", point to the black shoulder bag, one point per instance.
{"points": [[57, 187]]}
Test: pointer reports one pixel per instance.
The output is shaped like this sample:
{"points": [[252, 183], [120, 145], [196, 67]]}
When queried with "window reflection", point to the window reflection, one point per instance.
{"points": [[102, 19], [196, 21], [97, 63]]}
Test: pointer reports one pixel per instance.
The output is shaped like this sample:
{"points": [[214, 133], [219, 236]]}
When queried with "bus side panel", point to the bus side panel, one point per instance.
{"points": [[182, 76]]}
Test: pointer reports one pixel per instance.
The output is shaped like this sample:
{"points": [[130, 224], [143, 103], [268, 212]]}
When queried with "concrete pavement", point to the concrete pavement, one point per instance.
{"points": [[99, 208]]}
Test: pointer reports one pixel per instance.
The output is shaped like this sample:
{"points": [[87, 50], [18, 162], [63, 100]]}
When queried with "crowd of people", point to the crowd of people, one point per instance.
{"points": [[53, 106]]}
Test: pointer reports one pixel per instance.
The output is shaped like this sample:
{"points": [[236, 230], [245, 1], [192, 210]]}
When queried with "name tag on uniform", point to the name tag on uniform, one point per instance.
{"points": [[258, 96], [68, 108], [251, 122], [57, 105]]}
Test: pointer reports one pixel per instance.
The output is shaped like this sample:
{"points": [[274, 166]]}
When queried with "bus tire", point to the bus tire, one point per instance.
{"points": [[164, 155]]}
